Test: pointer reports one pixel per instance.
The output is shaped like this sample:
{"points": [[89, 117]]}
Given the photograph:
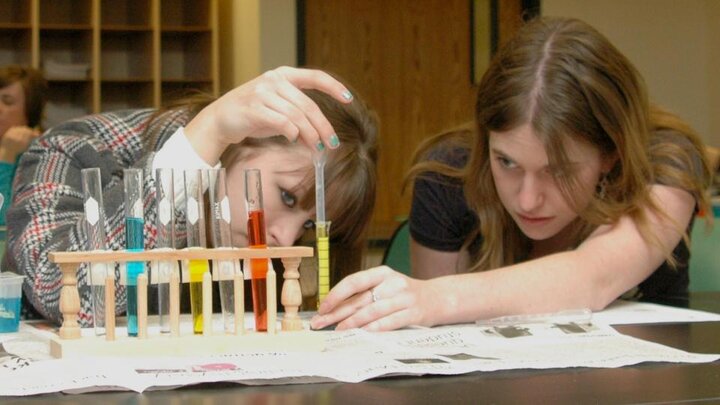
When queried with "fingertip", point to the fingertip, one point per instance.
{"points": [[347, 95], [371, 327]]}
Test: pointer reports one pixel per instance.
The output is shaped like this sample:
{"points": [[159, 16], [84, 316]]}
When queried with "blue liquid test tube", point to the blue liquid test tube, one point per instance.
{"points": [[165, 203], [134, 224], [95, 232]]}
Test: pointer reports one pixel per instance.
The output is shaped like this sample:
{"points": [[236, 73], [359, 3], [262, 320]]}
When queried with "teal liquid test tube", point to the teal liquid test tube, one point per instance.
{"points": [[224, 270], [94, 225], [165, 223], [195, 227], [134, 224]]}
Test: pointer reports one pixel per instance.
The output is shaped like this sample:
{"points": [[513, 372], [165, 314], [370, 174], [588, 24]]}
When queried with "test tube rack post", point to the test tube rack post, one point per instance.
{"points": [[292, 336]]}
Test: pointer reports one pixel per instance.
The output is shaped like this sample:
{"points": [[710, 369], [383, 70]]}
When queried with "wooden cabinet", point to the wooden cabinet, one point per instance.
{"points": [[101, 55]]}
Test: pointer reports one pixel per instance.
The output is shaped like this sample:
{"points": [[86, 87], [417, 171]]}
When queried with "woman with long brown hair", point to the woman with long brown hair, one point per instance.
{"points": [[570, 191], [274, 123]]}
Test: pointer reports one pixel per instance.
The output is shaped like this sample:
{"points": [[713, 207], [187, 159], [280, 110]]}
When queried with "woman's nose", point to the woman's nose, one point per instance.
{"points": [[530, 195], [284, 231]]}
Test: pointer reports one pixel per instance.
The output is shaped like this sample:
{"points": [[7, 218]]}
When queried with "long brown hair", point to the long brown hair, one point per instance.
{"points": [[350, 175], [567, 81]]}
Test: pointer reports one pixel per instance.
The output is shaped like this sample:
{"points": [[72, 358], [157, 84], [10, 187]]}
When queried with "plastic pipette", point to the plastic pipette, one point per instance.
{"points": [[322, 227]]}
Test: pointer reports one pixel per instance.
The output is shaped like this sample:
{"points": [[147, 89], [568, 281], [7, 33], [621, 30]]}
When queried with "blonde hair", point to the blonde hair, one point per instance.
{"points": [[567, 81]]}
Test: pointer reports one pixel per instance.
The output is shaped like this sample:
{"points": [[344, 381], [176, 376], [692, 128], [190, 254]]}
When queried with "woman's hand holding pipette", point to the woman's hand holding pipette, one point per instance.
{"points": [[268, 105]]}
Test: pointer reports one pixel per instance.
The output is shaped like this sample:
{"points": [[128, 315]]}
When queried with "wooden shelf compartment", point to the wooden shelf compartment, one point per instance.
{"points": [[185, 56], [66, 47], [125, 13], [119, 96], [15, 47], [184, 13], [66, 100], [126, 55], [14, 12], [69, 13]]}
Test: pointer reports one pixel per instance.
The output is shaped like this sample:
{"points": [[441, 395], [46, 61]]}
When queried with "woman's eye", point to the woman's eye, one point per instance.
{"points": [[288, 198], [309, 224], [505, 162]]}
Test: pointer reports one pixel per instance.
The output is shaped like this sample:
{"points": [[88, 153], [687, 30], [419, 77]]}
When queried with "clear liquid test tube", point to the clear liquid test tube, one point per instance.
{"points": [[165, 221], [195, 228], [95, 230], [134, 242], [220, 221]]}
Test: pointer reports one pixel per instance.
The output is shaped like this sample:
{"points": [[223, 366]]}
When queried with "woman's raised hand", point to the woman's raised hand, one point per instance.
{"points": [[377, 299], [271, 104], [15, 141]]}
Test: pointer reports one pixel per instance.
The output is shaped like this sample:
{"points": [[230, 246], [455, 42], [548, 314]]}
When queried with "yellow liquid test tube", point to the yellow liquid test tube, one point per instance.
{"points": [[197, 269], [322, 234]]}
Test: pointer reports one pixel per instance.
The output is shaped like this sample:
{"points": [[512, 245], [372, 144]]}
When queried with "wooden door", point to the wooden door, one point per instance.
{"points": [[410, 61]]}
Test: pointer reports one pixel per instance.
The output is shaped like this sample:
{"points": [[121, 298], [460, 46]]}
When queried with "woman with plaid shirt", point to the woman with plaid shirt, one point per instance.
{"points": [[274, 122]]}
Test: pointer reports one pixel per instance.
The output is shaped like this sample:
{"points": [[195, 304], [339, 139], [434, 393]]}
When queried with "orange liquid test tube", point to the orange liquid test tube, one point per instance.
{"points": [[256, 240]]}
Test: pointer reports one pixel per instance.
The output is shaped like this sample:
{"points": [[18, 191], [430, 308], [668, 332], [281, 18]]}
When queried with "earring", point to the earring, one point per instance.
{"points": [[601, 188]]}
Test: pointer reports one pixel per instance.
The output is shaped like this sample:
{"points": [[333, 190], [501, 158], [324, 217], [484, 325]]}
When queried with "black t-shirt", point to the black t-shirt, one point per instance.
{"points": [[440, 219]]}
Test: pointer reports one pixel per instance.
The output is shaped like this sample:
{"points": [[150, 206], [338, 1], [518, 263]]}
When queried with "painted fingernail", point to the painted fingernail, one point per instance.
{"points": [[347, 95], [334, 141], [320, 146]]}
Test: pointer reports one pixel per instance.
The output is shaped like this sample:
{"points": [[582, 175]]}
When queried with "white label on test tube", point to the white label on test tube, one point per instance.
{"points": [[138, 209], [98, 273], [92, 212], [225, 209], [164, 211], [192, 210]]}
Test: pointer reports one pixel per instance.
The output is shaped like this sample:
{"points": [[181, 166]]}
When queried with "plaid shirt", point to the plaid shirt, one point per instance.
{"points": [[47, 211]]}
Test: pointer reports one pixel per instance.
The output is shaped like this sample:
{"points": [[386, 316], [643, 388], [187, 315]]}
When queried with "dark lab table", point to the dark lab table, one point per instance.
{"points": [[643, 383]]}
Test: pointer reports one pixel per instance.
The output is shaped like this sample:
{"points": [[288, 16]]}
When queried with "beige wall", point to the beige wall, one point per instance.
{"points": [[674, 43], [255, 36]]}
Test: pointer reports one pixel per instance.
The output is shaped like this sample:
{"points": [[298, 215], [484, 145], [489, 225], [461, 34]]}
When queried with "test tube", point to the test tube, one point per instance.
{"points": [[95, 230], [165, 197], [322, 234], [256, 240], [225, 270], [134, 224], [195, 228]]}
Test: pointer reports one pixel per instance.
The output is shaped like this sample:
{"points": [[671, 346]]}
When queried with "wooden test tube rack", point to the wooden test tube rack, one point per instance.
{"points": [[292, 337]]}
